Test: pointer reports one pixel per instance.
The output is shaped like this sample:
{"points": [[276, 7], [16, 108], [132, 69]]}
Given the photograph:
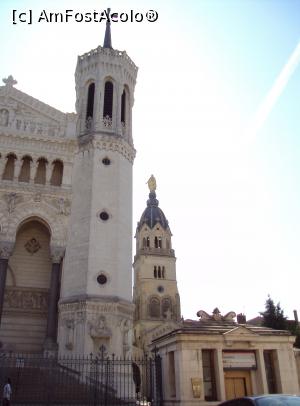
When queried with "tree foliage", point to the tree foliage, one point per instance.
{"points": [[273, 316]]}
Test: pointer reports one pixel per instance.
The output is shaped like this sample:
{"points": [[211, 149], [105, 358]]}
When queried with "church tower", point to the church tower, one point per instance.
{"points": [[95, 308], [155, 296]]}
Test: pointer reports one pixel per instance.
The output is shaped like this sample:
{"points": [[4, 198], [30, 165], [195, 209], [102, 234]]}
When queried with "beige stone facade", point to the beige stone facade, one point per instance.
{"points": [[214, 359]]}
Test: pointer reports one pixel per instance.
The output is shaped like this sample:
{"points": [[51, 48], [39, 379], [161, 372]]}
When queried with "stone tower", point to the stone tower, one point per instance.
{"points": [[155, 296], [95, 308]]}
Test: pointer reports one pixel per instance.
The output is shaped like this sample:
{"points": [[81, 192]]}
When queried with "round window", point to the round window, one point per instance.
{"points": [[160, 289], [106, 161], [104, 215], [102, 279]]}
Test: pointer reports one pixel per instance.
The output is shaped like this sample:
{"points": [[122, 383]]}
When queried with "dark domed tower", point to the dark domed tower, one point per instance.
{"points": [[155, 294]]}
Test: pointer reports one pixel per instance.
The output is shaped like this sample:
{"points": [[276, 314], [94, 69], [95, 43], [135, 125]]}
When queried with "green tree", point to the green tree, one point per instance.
{"points": [[273, 316]]}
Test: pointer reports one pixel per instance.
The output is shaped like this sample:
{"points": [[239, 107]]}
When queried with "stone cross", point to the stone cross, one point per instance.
{"points": [[10, 81]]}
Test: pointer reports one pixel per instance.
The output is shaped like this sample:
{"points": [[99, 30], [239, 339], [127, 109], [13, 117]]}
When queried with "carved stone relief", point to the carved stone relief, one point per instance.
{"points": [[32, 246], [26, 300]]}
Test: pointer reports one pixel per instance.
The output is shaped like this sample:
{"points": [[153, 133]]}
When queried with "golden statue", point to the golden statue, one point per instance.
{"points": [[152, 184]]}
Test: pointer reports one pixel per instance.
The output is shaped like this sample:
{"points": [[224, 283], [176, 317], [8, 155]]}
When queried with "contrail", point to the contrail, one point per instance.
{"points": [[273, 95]]}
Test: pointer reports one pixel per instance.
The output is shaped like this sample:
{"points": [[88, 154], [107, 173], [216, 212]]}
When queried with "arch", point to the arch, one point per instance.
{"points": [[108, 99], [25, 169], [40, 176], [90, 101], [155, 272], [154, 307], [148, 242], [166, 307], [57, 173], [144, 242], [9, 170], [45, 214], [163, 274]]}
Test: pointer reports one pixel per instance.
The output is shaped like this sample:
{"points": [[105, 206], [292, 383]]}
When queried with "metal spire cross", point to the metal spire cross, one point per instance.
{"points": [[107, 37]]}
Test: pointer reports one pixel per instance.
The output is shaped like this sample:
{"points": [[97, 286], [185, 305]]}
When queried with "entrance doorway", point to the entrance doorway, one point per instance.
{"points": [[237, 384]]}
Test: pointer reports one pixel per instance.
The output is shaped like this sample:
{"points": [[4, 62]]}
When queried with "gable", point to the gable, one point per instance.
{"points": [[21, 113], [239, 331]]}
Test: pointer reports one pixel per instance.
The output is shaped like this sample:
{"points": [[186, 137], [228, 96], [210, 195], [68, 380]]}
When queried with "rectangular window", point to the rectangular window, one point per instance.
{"points": [[172, 383], [270, 370], [209, 378]]}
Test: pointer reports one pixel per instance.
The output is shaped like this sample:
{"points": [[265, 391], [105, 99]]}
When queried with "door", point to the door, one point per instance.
{"points": [[237, 384]]}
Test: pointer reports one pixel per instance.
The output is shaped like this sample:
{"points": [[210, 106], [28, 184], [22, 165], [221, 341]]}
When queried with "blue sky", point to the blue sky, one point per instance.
{"points": [[204, 69]]}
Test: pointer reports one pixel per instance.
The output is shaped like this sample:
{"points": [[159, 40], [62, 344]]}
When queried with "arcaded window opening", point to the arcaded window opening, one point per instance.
{"points": [[155, 272], [9, 170], [123, 107], [40, 176], [25, 170], [108, 99], [90, 101], [57, 173], [148, 242]]}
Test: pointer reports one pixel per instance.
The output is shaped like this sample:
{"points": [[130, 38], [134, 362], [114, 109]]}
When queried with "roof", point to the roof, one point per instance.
{"points": [[153, 214]]}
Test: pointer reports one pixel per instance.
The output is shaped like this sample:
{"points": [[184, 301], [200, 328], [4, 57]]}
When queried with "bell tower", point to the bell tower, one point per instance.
{"points": [[155, 293], [95, 308]]}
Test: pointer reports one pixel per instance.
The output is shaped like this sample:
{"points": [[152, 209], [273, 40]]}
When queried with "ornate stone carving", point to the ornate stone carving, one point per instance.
{"points": [[107, 122], [12, 199], [98, 328], [6, 248], [23, 299], [10, 81], [216, 315], [4, 114], [63, 205], [57, 254], [32, 246]]}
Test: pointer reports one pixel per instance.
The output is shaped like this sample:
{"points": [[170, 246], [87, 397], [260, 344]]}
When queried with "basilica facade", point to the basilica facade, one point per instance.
{"points": [[66, 249]]}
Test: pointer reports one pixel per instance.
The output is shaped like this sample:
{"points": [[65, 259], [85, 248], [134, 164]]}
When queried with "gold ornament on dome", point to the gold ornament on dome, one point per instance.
{"points": [[152, 184]]}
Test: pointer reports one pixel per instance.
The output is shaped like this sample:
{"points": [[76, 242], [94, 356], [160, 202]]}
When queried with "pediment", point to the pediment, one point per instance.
{"points": [[240, 331], [29, 107], [21, 113]]}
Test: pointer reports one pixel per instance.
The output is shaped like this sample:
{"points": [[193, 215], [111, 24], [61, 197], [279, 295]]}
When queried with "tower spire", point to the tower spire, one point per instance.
{"points": [[107, 37]]}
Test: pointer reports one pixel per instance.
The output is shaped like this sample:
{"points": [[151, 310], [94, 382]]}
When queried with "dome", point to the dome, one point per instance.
{"points": [[153, 214]]}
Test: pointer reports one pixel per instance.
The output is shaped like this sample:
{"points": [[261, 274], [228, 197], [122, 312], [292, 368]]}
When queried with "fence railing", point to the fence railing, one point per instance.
{"points": [[82, 380]]}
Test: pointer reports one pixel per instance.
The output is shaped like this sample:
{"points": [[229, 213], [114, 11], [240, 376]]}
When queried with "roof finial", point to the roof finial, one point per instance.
{"points": [[107, 37], [152, 184]]}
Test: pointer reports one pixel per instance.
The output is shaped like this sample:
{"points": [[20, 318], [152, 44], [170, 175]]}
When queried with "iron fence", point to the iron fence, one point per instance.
{"points": [[82, 380]]}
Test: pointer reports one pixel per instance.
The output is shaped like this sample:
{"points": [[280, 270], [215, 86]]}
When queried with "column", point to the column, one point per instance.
{"points": [[51, 332], [5, 252], [2, 165], [48, 172], [33, 169], [220, 379], [18, 168], [261, 370]]}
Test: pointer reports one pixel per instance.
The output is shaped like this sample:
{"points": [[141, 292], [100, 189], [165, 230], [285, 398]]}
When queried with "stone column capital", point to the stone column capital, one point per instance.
{"points": [[56, 254], [6, 248]]}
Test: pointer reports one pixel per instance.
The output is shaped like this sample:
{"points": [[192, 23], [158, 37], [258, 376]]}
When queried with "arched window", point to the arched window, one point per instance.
{"points": [[148, 242], [90, 101], [9, 170], [144, 242], [155, 272], [25, 169], [154, 307], [40, 176], [166, 308], [57, 173], [156, 242], [159, 242], [159, 272], [123, 107], [108, 99], [163, 272]]}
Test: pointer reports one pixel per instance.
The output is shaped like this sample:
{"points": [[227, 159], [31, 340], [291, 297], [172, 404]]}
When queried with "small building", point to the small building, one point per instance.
{"points": [[216, 358]]}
